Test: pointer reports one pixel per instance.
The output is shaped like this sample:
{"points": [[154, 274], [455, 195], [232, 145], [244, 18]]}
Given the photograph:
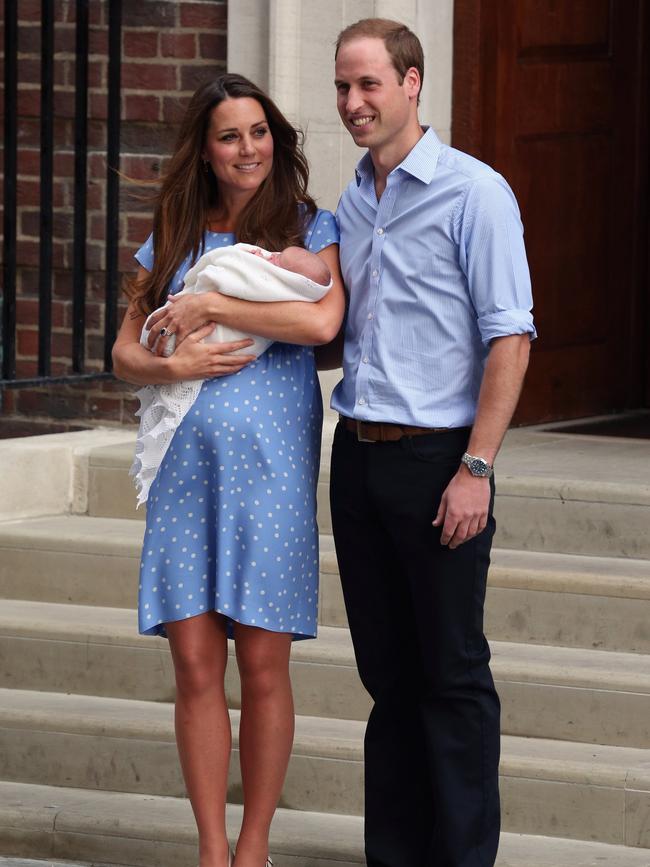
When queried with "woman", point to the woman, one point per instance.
{"points": [[231, 545]]}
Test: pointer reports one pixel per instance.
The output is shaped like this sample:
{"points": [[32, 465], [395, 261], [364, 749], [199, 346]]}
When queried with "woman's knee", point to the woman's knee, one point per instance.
{"points": [[263, 663], [199, 657]]}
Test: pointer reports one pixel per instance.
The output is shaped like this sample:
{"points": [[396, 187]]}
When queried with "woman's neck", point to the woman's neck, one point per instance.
{"points": [[225, 216]]}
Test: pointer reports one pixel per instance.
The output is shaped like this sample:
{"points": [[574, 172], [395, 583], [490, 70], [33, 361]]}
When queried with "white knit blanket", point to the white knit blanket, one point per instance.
{"points": [[231, 271]]}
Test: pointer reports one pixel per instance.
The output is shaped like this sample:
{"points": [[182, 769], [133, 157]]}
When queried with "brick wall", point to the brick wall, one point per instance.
{"points": [[168, 49]]}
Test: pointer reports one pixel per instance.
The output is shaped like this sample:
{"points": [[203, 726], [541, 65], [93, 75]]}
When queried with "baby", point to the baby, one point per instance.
{"points": [[296, 260], [292, 275]]}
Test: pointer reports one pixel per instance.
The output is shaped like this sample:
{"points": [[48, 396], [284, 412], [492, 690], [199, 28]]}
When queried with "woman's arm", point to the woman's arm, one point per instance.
{"points": [[303, 322], [192, 360]]}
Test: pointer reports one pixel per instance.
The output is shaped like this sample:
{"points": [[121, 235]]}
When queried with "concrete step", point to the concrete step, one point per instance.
{"points": [[153, 831], [553, 692], [565, 599], [556, 788], [555, 492]]}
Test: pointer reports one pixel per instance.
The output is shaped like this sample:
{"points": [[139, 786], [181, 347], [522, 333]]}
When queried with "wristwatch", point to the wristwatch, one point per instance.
{"points": [[477, 466]]}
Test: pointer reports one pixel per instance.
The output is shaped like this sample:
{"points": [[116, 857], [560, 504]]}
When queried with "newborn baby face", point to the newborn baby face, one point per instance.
{"points": [[298, 261]]}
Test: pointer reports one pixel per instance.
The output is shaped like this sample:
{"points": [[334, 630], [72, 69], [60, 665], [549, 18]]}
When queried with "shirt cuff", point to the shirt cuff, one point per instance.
{"points": [[505, 323]]}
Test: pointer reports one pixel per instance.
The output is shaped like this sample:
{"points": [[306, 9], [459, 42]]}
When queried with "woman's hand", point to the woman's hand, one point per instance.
{"points": [[181, 317], [196, 360]]}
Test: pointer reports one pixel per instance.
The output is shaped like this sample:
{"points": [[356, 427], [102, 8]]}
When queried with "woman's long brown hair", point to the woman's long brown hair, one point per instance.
{"points": [[275, 217]]}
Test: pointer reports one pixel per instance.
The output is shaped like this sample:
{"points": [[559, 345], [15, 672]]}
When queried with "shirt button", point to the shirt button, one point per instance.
{"points": [[370, 316], [375, 272], [380, 231], [366, 359], [362, 401]]}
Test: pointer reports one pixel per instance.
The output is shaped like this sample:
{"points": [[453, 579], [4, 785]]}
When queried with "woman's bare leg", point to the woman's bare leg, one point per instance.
{"points": [[200, 652], [265, 734]]}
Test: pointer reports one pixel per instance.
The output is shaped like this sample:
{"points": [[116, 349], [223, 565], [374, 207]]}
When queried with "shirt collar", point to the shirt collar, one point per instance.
{"points": [[420, 161]]}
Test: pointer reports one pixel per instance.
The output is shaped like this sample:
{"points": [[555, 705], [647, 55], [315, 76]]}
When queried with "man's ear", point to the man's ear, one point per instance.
{"points": [[413, 82]]}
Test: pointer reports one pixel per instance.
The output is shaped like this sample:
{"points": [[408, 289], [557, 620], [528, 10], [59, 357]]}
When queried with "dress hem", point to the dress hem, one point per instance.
{"points": [[158, 630]]}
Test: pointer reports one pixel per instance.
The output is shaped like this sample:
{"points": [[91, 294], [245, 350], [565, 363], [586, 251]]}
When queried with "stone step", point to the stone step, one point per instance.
{"points": [[556, 788], [565, 599], [553, 692], [151, 831], [555, 492]]}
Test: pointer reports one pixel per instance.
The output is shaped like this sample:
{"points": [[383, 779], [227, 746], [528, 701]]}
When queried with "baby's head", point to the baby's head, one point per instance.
{"points": [[301, 261]]}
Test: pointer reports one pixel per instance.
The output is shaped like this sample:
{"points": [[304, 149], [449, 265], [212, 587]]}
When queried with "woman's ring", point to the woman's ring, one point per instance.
{"points": [[164, 332]]}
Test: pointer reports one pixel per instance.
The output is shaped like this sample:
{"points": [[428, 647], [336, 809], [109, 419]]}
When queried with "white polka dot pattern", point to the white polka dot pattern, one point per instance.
{"points": [[231, 516]]}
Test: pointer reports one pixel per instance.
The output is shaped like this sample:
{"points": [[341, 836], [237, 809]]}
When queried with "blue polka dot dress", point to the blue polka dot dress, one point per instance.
{"points": [[231, 515]]}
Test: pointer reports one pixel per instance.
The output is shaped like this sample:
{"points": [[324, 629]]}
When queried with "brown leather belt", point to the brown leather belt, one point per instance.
{"points": [[384, 431]]}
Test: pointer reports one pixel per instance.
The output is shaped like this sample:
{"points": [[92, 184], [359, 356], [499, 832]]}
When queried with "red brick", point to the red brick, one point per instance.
{"points": [[27, 252], [137, 43], [148, 76], [137, 107], [213, 46], [64, 163], [96, 135], [64, 11], [27, 281], [27, 312], [152, 13], [126, 263], [98, 41], [137, 228], [29, 102], [203, 15], [96, 165], [148, 138], [95, 256], [97, 106], [96, 16], [62, 284], [29, 70], [193, 77], [64, 103], [29, 223], [106, 407], [25, 368], [95, 195], [29, 38], [27, 342], [97, 227], [8, 401], [97, 73], [28, 192], [61, 344], [29, 134], [63, 132], [65, 40], [173, 108], [181, 45]]}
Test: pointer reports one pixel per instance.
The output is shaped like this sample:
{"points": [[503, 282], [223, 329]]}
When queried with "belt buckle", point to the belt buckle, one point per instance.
{"points": [[361, 438]]}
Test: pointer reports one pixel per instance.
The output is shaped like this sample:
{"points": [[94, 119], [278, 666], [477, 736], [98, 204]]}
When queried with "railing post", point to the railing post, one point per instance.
{"points": [[80, 182], [112, 178], [47, 175], [10, 203]]}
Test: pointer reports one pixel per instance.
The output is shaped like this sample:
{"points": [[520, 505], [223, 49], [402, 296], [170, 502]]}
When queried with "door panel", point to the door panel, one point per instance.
{"points": [[549, 93]]}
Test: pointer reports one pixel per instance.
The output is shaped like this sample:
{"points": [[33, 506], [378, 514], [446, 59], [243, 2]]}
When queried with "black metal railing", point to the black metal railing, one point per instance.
{"points": [[46, 227]]}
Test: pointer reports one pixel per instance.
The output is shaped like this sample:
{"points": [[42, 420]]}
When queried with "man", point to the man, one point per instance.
{"points": [[436, 347]]}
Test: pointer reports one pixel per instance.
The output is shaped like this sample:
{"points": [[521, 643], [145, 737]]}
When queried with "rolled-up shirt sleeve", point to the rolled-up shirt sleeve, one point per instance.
{"points": [[493, 259]]}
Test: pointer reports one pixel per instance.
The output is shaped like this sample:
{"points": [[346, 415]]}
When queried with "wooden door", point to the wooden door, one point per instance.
{"points": [[552, 94]]}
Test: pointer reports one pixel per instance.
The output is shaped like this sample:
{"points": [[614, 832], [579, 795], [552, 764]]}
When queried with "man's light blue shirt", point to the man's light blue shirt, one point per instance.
{"points": [[436, 269]]}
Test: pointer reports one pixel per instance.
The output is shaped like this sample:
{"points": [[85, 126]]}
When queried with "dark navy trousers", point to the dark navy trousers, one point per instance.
{"points": [[415, 610]]}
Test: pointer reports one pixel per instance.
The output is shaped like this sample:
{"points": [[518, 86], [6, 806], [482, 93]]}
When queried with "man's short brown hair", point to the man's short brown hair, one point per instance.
{"points": [[402, 45]]}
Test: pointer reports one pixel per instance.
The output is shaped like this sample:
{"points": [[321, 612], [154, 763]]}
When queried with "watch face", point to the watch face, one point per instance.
{"points": [[478, 467]]}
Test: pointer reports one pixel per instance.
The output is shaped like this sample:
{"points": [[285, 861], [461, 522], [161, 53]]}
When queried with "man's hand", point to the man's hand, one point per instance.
{"points": [[463, 511]]}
